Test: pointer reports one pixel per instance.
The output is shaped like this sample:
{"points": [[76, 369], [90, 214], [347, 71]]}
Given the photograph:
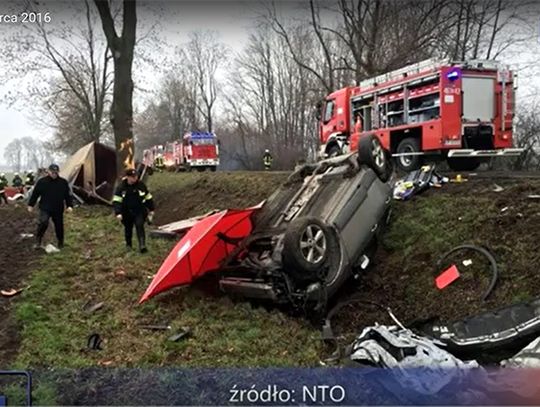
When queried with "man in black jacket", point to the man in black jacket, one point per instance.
{"points": [[132, 205], [53, 192]]}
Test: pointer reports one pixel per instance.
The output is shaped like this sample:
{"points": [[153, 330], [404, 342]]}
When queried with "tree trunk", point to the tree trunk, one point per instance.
{"points": [[122, 48]]}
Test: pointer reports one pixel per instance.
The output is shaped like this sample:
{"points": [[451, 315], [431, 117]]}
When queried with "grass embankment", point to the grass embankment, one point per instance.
{"points": [[96, 268]]}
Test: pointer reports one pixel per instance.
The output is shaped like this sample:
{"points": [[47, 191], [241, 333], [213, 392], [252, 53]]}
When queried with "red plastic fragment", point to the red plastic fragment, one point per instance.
{"points": [[447, 277]]}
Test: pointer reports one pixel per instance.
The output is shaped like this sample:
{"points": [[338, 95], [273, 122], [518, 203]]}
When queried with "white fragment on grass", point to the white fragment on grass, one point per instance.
{"points": [[50, 248], [533, 196], [497, 188], [27, 235], [467, 262], [504, 209]]}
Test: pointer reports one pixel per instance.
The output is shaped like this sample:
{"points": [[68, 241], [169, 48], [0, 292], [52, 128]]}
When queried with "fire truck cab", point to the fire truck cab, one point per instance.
{"points": [[200, 150], [458, 111]]}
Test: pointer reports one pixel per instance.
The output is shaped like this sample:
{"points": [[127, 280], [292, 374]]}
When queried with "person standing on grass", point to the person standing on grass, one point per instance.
{"points": [[54, 196], [133, 204], [3, 184]]}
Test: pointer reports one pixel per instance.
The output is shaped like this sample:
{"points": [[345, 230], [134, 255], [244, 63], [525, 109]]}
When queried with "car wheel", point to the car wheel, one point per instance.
{"points": [[372, 154], [463, 164], [410, 162], [334, 151], [306, 249]]}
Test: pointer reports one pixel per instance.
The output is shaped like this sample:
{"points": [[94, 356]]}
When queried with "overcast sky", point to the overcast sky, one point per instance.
{"points": [[233, 21]]}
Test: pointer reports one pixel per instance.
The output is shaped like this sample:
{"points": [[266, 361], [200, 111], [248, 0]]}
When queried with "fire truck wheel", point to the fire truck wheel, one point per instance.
{"points": [[307, 246], [411, 162], [463, 164], [372, 154]]}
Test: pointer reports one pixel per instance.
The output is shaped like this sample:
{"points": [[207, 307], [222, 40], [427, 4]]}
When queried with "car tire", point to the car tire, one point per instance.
{"points": [[334, 151], [463, 164], [372, 154], [410, 163], [306, 249]]}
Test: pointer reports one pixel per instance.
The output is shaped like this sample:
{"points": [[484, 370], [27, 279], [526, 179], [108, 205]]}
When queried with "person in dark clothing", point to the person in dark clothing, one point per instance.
{"points": [[267, 160], [17, 181], [133, 204], [54, 194], [3, 184], [30, 180]]}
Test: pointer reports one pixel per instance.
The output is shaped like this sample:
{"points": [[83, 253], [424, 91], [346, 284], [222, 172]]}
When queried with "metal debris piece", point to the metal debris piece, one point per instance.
{"points": [[183, 334], [497, 188], [406, 353], [504, 209], [528, 357], [467, 262], [95, 307], [533, 196], [27, 235], [156, 327]]}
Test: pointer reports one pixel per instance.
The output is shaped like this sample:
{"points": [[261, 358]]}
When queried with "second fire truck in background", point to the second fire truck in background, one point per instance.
{"points": [[196, 150]]}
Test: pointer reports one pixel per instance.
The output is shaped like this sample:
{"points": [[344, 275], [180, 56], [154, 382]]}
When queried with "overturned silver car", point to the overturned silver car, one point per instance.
{"points": [[316, 231]]}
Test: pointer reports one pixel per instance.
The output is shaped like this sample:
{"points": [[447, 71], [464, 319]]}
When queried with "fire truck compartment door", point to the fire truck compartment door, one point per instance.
{"points": [[478, 98]]}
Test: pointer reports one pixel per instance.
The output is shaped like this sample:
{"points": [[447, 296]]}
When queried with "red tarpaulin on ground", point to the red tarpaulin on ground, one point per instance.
{"points": [[202, 249]]}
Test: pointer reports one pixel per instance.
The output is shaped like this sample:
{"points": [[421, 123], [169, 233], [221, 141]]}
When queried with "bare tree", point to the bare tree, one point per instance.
{"points": [[26, 153], [204, 56], [67, 64], [171, 112], [122, 47]]}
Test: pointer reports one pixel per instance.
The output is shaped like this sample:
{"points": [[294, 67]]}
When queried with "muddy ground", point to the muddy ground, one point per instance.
{"points": [[16, 261]]}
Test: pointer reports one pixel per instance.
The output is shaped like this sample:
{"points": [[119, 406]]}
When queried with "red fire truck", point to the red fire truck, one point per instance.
{"points": [[196, 150], [458, 111]]}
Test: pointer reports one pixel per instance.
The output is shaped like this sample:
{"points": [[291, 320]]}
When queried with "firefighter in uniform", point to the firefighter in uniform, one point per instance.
{"points": [[54, 195], [3, 184], [159, 163], [17, 181], [267, 160], [30, 180], [132, 205]]}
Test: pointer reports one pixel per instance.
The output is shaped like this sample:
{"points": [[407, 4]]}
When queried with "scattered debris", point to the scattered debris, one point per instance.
{"points": [[533, 196], [175, 229], [483, 251], [26, 236], [467, 262], [156, 327], [105, 362], [95, 307], [504, 209], [528, 357], [183, 334], [497, 188], [417, 182], [94, 342], [120, 273], [447, 277], [493, 330], [459, 179], [50, 248], [13, 292], [404, 352]]}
